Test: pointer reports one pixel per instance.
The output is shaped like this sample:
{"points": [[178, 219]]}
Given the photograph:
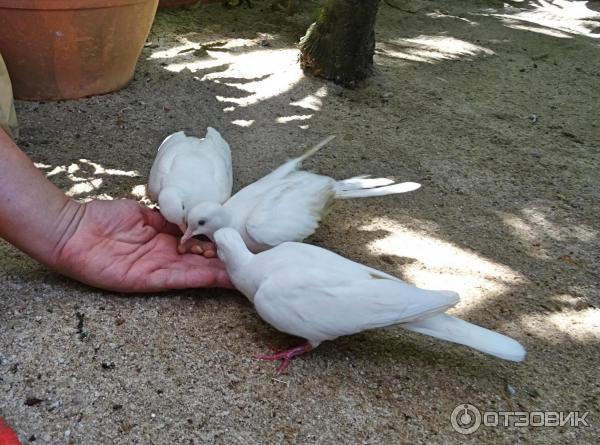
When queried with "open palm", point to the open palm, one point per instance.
{"points": [[124, 246]]}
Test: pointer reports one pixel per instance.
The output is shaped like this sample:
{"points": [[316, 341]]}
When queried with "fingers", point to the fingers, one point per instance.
{"points": [[196, 272], [220, 275], [199, 265], [223, 280]]}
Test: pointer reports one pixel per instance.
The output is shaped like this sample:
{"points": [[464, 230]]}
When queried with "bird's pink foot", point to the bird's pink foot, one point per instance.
{"points": [[286, 356]]}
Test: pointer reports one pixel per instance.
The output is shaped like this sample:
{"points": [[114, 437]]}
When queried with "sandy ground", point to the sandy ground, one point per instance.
{"points": [[493, 109]]}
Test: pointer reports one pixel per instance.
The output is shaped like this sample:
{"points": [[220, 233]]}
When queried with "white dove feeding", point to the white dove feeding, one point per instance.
{"points": [[317, 295], [188, 171], [285, 205]]}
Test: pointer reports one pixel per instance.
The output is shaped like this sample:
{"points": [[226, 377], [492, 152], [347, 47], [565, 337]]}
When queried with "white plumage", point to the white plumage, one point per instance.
{"points": [[318, 295], [187, 171], [285, 205]]}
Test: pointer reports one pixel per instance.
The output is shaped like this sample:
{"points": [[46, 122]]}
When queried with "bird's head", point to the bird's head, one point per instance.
{"points": [[205, 219], [172, 207]]}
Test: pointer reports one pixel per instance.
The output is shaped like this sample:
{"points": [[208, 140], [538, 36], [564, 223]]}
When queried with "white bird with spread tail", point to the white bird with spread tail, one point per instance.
{"points": [[315, 294], [188, 171], [285, 205]]}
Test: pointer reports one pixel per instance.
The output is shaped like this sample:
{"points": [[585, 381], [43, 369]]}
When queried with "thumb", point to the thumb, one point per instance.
{"points": [[154, 219]]}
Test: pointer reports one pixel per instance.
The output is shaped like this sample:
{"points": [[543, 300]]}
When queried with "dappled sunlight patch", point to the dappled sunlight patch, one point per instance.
{"points": [[515, 24], [312, 101], [56, 170], [264, 74], [443, 265], [140, 192], [187, 49], [84, 187], [579, 325], [557, 18], [440, 15], [534, 228], [569, 301], [237, 43], [296, 117], [242, 122], [86, 176], [175, 51], [100, 170], [101, 197], [260, 73], [73, 168], [430, 49]]}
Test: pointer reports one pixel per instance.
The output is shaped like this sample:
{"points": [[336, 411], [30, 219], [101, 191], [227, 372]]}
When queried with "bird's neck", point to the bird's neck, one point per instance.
{"points": [[230, 219], [237, 259], [227, 218]]}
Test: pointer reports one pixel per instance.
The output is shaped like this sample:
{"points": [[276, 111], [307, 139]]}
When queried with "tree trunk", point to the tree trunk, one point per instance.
{"points": [[339, 46]]}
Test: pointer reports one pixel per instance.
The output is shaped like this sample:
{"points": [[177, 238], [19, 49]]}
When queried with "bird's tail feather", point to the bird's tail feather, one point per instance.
{"points": [[294, 164], [455, 330], [311, 151], [364, 187], [213, 134]]}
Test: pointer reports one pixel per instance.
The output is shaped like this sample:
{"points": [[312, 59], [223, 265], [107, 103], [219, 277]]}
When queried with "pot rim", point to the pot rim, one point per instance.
{"points": [[41, 5]]}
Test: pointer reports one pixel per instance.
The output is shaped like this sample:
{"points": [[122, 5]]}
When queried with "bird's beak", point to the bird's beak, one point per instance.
{"points": [[182, 227], [186, 236]]}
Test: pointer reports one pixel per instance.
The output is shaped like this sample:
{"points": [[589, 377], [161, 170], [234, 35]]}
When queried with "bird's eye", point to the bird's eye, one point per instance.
{"points": [[201, 222]]}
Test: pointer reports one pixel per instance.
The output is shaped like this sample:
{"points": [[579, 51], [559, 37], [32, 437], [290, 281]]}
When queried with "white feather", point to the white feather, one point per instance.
{"points": [[318, 295], [454, 329], [288, 204], [197, 169]]}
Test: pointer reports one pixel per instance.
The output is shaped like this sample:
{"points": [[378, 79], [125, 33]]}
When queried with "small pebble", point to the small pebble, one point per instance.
{"points": [[510, 390], [536, 153]]}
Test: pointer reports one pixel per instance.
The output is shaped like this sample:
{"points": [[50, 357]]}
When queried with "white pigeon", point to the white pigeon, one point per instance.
{"points": [[285, 205], [315, 294], [187, 171]]}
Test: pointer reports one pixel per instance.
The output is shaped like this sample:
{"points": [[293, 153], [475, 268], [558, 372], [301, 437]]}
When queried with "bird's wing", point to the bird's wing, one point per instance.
{"points": [[294, 164], [291, 210], [309, 304], [220, 153], [201, 168], [163, 162]]}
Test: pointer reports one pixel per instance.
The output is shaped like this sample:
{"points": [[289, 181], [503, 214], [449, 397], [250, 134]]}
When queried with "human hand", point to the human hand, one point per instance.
{"points": [[193, 245], [124, 246]]}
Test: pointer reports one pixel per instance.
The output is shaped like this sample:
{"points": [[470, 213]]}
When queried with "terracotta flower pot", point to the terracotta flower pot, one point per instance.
{"points": [[65, 49]]}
